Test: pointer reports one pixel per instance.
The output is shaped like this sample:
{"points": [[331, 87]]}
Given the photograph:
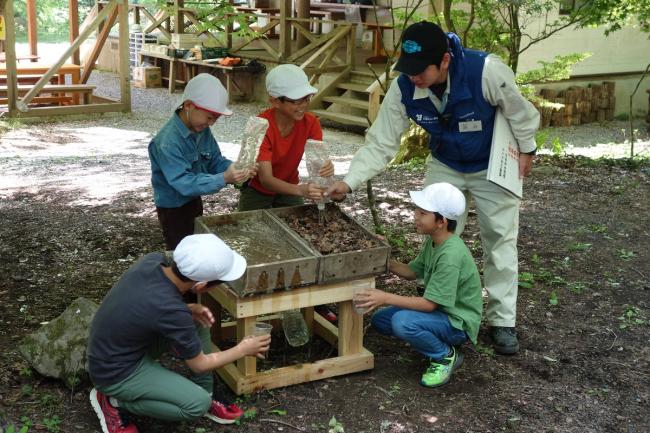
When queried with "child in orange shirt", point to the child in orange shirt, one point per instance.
{"points": [[290, 126]]}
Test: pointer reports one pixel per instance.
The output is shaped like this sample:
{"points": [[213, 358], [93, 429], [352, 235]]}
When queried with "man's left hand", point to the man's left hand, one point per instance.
{"points": [[525, 164]]}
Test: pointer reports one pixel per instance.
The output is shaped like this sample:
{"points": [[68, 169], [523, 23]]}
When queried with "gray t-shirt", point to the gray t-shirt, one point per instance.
{"points": [[142, 307]]}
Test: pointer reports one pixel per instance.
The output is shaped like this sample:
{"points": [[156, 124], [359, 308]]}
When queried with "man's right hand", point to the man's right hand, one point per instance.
{"points": [[338, 191], [311, 191]]}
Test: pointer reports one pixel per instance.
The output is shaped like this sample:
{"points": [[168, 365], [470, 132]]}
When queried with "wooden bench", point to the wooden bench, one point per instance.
{"points": [[27, 79], [53, 93]]}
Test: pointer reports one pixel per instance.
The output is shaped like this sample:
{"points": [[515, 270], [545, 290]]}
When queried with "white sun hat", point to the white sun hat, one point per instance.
{"points": [[443, 198], [290, 81], [207, 93], [205, 257]]}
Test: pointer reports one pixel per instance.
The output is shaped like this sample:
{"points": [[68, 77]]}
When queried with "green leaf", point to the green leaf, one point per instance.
{"points": [[553, 299], [280, 412]]}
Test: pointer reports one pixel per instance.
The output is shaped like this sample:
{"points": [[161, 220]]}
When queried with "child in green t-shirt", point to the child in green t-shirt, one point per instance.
{"points": [[449, 311]]}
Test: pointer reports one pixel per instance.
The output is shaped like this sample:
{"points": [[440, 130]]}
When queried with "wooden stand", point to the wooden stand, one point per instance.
{"points": [[243, 378]]}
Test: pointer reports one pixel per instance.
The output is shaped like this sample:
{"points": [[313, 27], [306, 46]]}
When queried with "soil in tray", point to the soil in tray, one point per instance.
{"points": [[258, 242], [332, 234]]}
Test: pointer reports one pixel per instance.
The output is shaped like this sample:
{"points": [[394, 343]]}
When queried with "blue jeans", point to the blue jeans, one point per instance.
{"points": [[431, 334]]}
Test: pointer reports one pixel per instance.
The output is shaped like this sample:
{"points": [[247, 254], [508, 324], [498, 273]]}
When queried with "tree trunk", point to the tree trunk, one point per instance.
{"points": [[376, 221], [415, 144], [447, 14], [515, 38]]}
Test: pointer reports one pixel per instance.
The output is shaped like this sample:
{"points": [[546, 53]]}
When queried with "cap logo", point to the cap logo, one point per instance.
{"points": [[411, 47]]}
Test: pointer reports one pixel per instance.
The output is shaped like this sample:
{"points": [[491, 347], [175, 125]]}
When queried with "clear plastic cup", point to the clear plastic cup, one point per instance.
{"points": [[262, 328], [356, 301]]}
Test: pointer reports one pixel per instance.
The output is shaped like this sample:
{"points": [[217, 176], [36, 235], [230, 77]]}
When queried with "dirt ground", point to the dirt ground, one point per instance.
{"points": [[583, 309]]}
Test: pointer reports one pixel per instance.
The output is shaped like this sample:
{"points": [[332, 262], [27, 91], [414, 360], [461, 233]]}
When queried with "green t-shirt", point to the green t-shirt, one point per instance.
{"points": [[452, 281]]}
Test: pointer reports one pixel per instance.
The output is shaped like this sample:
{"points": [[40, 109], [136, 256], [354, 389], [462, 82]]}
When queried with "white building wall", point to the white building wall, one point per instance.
{"points": [[627, 50]]}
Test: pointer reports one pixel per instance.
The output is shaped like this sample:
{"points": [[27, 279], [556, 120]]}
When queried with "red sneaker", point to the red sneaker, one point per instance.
{"points": [[221, 414], [235, 410], [326, 313], [109, 416]]}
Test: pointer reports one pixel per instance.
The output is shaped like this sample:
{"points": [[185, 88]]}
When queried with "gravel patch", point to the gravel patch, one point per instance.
{"points": [[607, 139]]}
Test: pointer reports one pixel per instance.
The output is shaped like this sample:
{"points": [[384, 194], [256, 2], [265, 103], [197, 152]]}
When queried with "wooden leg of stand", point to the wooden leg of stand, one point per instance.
{"points": [[247, 365]]}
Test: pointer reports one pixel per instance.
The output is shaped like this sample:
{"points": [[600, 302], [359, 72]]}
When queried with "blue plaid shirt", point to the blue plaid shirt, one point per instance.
{"points": [[184, 164]]}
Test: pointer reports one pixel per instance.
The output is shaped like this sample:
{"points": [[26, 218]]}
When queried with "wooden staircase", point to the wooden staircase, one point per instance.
{"points": [[348, 100]]}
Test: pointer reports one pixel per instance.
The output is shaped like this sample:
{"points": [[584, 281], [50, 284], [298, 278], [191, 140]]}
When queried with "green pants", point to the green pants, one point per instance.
{"points": [[154, 391], [251, 199]]}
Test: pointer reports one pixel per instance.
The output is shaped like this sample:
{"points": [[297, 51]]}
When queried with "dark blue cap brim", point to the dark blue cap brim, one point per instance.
{"points": [[413, 64]]}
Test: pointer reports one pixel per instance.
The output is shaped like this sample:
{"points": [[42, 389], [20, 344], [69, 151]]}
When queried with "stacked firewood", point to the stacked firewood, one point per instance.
{"points": [[577, 105]]}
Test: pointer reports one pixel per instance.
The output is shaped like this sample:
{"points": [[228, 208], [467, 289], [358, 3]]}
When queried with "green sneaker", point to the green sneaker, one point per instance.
{"points": [[439, 372]]}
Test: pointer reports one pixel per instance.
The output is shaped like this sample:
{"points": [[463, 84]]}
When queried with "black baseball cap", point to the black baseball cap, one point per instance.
{"points": [[423, 44]]}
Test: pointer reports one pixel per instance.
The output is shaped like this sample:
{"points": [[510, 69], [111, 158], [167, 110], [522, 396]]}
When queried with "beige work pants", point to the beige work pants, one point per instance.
{"points": [[498, 217]]}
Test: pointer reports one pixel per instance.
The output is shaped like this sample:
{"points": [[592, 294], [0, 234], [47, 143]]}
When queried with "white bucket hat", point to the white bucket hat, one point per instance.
{"points": [[207, 93], [290, 81], [443, 198], [205, 257]]}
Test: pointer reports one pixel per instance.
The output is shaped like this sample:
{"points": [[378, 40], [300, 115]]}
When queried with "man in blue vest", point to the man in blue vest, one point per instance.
{"points": [[453, 93]]}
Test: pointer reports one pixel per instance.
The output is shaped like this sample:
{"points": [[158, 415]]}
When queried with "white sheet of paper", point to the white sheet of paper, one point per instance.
{"points": [[503, 167]]}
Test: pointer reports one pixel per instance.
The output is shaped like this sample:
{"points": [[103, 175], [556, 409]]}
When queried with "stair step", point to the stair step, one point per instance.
{"points": [[352, 102], [357, 87], [365, 76], [347, 119]]}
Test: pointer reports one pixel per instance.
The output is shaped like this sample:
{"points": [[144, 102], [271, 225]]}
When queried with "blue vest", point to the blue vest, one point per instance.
{"points": [[467, 152]]}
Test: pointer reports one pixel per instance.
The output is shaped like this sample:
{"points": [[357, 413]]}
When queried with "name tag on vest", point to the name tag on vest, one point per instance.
{"points": [[470, 126]]}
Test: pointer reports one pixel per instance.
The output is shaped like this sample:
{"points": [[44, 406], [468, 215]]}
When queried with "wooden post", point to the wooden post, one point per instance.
{"points": [[350, 330], [73, 15], [125, 67], [302, 11], [10, 55], [32, 27], [172, 75], [349, 54], [248, 364], [100, 6], [285, 29], [179, 20]]}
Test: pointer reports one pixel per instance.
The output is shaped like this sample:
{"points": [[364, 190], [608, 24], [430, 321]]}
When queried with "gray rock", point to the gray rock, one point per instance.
{"points": [[58, 349]]}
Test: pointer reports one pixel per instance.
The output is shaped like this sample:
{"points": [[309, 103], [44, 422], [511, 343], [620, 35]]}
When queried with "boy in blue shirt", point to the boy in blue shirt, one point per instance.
{"points": [[449, 311], [186, 161]]}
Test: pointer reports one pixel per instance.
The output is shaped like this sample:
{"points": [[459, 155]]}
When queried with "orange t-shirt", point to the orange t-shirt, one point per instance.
{"points": [[285, 153]]}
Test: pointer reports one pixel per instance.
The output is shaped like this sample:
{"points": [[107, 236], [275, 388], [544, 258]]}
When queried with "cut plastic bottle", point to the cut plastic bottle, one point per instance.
{"points": [[316, 156], [295, 328], [254, 133]]}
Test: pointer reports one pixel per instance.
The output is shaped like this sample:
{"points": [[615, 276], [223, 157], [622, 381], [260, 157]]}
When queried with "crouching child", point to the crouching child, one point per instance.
{"points": [[143, 316], [449, 311]]}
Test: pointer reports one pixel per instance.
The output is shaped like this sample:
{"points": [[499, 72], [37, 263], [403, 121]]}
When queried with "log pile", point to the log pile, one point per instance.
{"points": [[577, 105]]}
